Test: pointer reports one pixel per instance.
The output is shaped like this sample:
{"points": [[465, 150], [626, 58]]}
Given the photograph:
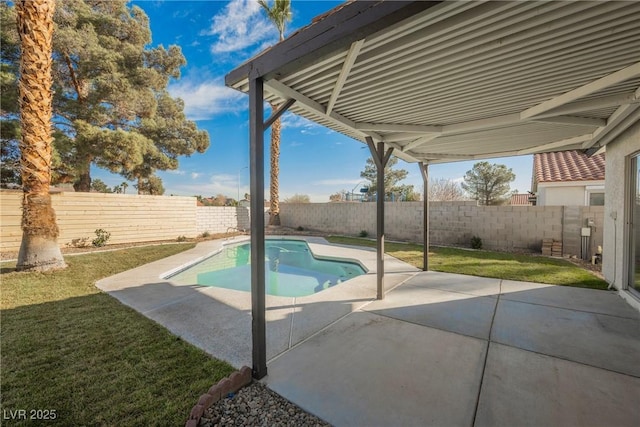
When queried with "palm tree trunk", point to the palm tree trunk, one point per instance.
{"points": [[274, 192], [39, 249]]}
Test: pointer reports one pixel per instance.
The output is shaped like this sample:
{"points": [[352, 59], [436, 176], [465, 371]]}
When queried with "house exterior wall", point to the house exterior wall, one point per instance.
{"points": [[565, 193], [561, 196], [616, 218]]}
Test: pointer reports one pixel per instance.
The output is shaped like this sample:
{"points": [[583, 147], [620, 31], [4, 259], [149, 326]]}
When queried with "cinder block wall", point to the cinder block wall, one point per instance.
{"points": [[220, 219], [453, 223], [128, 217], [133, 218]]}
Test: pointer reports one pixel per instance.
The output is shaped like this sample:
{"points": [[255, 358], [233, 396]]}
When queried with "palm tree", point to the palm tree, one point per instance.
{"points": [[39, 250], [278, 14]]}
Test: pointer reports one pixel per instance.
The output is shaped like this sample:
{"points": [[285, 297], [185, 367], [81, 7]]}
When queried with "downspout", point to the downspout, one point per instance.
{"points": [[615, 251]]}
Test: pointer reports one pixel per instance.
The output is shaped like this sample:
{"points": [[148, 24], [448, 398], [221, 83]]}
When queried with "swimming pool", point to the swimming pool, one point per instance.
{"points": [[291, 269]]}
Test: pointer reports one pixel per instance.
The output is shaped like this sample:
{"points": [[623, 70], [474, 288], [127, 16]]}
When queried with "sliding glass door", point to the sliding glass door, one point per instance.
{"points": [[634, 224]]}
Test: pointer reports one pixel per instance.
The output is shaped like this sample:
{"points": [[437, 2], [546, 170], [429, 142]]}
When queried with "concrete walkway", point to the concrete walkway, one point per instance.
{"points": [[218, 320], [451, 350]]}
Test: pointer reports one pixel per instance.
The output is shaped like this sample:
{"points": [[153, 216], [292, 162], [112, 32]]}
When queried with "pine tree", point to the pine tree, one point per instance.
{"points": [[111, 105], [391, 178], [488, 183]]}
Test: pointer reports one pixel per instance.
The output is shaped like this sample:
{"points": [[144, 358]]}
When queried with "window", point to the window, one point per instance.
{"points": [[596, 199]]}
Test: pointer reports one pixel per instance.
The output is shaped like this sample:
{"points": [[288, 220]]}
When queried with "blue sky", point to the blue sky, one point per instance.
{"points": [[217, 36]]}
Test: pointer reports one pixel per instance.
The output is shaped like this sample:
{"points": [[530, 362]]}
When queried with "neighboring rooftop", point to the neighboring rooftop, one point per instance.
{"points": [[520, 200], [568, 166]]}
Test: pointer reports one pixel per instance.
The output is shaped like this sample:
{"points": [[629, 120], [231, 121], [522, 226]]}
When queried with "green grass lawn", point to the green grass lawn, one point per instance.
{"points": [[499, 265], [69, 347]]}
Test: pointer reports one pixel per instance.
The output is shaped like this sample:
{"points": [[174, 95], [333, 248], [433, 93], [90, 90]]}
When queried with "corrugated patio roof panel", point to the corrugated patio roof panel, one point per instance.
{"points": [[475, 79]]}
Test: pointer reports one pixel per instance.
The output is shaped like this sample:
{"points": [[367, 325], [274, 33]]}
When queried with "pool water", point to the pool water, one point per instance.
{"points": [[290, 267]]}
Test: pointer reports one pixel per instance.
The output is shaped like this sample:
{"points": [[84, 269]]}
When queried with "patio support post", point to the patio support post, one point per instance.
{"points": [[424, 171], [380, 158], [256, 158]]}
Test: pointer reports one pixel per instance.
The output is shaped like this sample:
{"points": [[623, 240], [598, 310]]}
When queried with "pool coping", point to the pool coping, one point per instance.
{"points": [[218, 320], [238, 240]]}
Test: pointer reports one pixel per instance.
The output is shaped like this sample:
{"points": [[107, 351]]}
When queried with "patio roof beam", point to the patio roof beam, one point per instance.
{"points": [[398, 151], [403, 136], [392, 127], [418, 142], [309, 104], [489, 123], [380, 158], [614, 120], [573, 120], [556, 144], [424, 171], [620, 76], [354, 50], [592, 104], [256, 168], [628, 115], [279, 112]]}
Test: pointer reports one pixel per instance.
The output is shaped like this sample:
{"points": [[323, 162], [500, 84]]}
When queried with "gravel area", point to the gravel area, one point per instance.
{"points": [[256, 405]]}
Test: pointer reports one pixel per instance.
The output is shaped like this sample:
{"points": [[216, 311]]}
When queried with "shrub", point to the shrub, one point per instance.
{"points": [[81, 242], [181, 239], [102, 237], [364, 233], [476, 242], [204, 235], [300, 228]]}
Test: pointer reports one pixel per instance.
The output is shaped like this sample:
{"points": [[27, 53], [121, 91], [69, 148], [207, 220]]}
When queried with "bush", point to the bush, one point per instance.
{"points": [[364, 233], [300, 228], [181, 239], [81, 242], [205, 235], [102, 237], [476, 242]]}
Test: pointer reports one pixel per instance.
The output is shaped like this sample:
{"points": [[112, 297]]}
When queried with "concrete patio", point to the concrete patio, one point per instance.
{"points": [[451, 350], [440, 349]]}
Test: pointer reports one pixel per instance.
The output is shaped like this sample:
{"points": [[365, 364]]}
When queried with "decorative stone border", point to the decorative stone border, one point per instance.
{"points": [[232, 384]]}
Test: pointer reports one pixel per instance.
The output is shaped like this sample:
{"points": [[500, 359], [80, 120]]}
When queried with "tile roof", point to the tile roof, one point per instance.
{"points": [[568, 166], [520, 200]]}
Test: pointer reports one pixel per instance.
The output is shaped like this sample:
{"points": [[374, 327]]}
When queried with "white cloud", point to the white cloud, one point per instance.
{"points": [[240, 25], [458, 180], [176, 172], [195, 175], [205, 98], [293, 121]]}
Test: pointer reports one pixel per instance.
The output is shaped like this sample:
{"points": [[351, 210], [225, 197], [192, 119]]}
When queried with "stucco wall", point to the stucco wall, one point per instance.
{"points": [[561, 196], [616, 231]]}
